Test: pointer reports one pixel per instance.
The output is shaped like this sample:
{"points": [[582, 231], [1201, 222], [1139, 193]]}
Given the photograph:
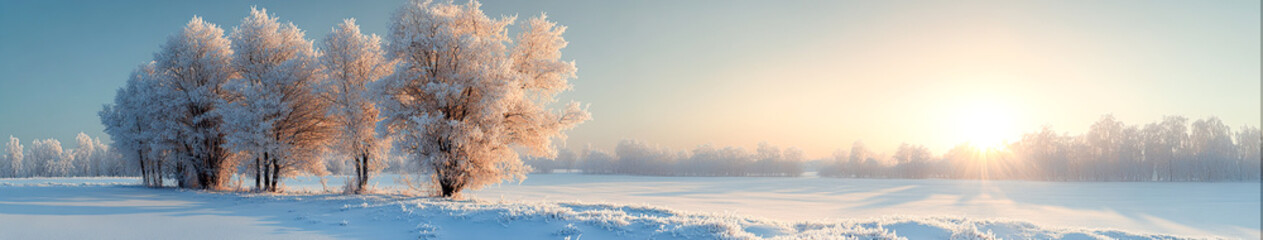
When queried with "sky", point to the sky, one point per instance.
{"points": [[817, 75]]}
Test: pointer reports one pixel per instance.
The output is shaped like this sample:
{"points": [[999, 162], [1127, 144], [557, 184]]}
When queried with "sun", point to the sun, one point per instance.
{"points": [[985, 125]]}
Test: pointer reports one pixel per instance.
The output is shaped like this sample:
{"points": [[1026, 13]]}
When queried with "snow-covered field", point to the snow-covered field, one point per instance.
{"points": [[557, 206], [1196, 209]]}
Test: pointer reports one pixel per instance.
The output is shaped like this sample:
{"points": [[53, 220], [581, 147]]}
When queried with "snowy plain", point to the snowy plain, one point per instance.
{"points": [[1229, 209], [557, 206]]}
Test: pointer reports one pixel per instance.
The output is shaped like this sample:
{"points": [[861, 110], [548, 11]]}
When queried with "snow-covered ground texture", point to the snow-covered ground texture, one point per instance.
{"points": [[1228, 209], [574, 206]]}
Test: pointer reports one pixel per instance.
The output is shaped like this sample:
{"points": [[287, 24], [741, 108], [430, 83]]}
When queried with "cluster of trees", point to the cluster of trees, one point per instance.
{"points": [[909, 161], [641, 158], [211, 106], [1172, 149], [47, 158], [449, 89]]}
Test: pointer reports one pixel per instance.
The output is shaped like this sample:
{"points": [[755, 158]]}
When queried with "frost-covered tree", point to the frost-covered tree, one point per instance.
{"points": [[858, 162], [352, 60], [129, 122], [567, 159], [772, 161], [13, 153], [1211, 140], [104, 161], [1044, 150], [1103, 140], [1165, 146], [540, 164], [835, 167], [597, 162], [1249, 145], [1131, 155], [48, 159], [791, 163], [87, 161], [912, 161], [766, 157], [707, 160], [273, 111], [460, 100], [642, 158], [192, 67], [5, 166]]}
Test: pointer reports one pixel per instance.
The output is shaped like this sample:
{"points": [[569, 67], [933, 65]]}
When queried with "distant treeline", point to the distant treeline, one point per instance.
{"points": [[92, 158], [47, 158], [1172, 149], [639, 158], [1169, 150]]}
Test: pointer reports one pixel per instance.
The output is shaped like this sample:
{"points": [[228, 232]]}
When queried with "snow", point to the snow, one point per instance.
{"points": [[1229, 209], [557, 206]]}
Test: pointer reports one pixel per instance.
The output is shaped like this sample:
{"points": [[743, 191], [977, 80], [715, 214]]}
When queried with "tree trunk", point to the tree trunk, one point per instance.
{"points": [[363, 172], [181, 177], [447, 188], [157, 172], [258, 184], [276, 173], [356, 187], [144, 176], [276, 182], [267, 172], [203, 178]]}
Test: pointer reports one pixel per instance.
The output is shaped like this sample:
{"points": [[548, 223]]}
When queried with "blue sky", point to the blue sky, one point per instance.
{"points": [[814, 74]]}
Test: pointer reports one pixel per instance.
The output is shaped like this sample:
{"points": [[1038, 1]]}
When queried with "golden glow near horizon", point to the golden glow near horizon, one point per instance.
{"points": [[986, 125], [939, 74]]}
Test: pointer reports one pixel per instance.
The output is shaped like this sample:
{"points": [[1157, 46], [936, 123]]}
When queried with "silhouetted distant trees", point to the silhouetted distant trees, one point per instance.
{"points": [[1168, 150]]}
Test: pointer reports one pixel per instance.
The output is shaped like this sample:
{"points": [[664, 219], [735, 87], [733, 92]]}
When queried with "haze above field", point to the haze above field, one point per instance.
{"points": [[817, 75]]}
